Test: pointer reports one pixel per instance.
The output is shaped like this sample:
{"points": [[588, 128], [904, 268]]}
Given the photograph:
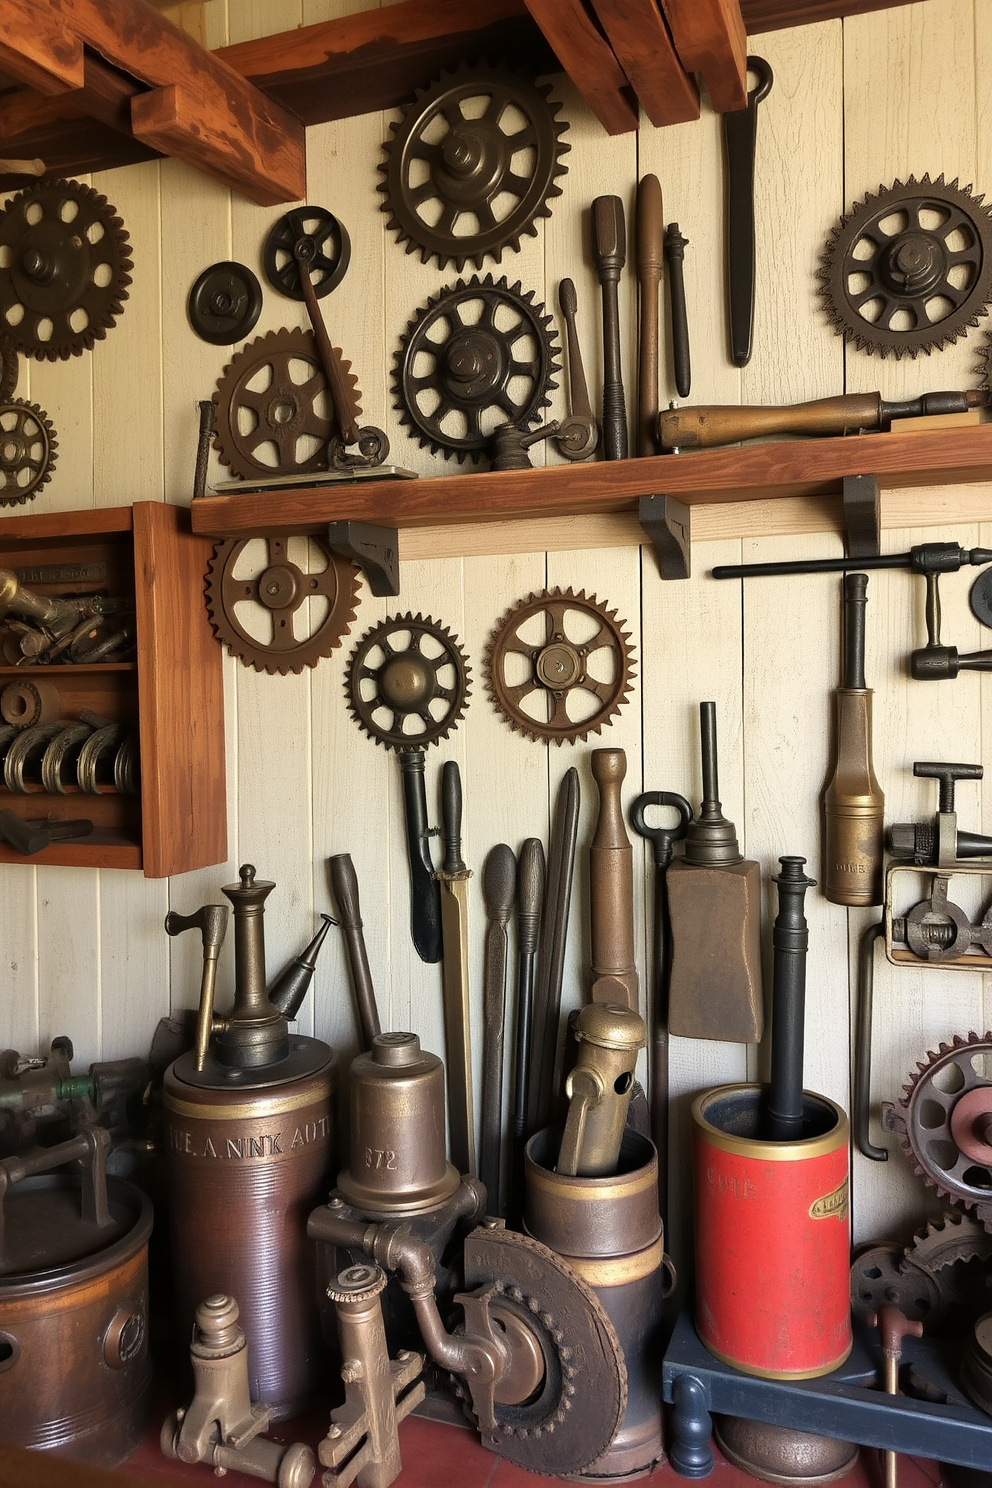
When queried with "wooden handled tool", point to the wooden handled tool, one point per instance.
{"points": [[453, 878], [610, 252], [611, 888], [650, 266], [498, 887], [344, 882], [853, 803]]}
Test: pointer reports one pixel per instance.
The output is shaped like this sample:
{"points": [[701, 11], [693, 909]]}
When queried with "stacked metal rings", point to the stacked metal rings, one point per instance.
{"points": [[60, 758]]}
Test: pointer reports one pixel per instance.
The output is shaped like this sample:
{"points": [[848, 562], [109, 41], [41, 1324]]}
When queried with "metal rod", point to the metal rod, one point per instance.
{"points": [[344, 882], [790, 941], [610, 253], [551, 961], [675, 246], [498, 886]]}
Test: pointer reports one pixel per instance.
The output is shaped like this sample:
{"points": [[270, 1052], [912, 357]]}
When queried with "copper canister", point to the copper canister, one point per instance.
{"points": [[75, 1375], [609, 1231], [249, 1154]]}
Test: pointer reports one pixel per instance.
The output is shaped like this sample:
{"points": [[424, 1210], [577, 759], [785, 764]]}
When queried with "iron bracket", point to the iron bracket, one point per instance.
{"points": [[375, 549], [862, 516], [668, 525]]}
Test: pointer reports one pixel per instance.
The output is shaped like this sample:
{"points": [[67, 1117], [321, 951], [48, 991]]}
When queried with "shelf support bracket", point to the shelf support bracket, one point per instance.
{"points": [[376, 550], [862, 516], [667, 523]]}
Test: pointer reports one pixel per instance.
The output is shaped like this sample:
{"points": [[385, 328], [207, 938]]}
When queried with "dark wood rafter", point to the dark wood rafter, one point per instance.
{"points": [[589, 60], [711, 39], [640, 39]]}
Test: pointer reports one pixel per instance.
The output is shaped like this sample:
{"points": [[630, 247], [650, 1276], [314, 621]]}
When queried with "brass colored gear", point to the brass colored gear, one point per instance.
{"points": [[556, 667], [27, 451], [407, 695], [910, 268], [275, 415], [276, 592], [65, 264], [472, 164], [944, 1122], [478, 355]]}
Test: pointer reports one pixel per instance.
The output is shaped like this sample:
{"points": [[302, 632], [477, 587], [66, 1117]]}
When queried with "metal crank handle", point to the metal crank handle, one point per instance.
{"points": [[304, 250], [577, 435]]}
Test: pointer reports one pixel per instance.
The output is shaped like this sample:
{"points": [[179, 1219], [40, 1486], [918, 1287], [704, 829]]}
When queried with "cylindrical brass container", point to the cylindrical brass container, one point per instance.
{"points": [[781, 1454], [74, 1369], [609, 1231], [397, 1159], [249, 1154]]}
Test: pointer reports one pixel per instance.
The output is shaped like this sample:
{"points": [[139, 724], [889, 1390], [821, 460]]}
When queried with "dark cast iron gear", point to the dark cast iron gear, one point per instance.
{"points": [[880, 1276], [65, 262], [944, 1122], [279, 589], [401, 695], [224, 303], [472, 165], [328, 262], [478, 355], [560, 667], [274, 410], [910, 268], [954, 1238], [9, 369], [27, 451]]}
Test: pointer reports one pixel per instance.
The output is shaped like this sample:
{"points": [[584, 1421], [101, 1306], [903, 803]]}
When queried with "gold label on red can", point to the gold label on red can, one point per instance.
{"points": [[832, 1205]]}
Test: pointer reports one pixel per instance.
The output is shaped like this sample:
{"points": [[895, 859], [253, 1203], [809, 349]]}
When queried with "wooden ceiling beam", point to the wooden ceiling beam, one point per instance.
{"points": [[589, 60], [38, 51], [637, 32], [710, 38]]}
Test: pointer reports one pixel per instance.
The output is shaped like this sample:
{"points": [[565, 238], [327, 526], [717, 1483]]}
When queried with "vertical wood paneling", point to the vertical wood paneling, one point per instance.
{"points": [[69, 960], [19, 987]]}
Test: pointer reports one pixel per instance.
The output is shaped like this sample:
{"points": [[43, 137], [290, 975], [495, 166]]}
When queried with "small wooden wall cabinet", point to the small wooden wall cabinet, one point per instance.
{"points": [[171, 689]]}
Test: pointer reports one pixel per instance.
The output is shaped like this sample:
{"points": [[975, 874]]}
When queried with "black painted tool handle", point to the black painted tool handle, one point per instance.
{"points": [[675, 246], [451, 817], [739, 134], [610, 252], [790, 942], [425, 895]]}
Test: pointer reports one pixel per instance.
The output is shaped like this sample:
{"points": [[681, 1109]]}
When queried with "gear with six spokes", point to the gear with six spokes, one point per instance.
{"points": [[472, 164], [478, 355], [402, 694], [910, 268], [944, 1122], [27, 451], [274, 410], [65, 264], [555, 664], [275, 593]]}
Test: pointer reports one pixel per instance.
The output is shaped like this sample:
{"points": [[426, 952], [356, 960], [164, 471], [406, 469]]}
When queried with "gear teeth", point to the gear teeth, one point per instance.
{"points": [[18, 495], [362, 710]]}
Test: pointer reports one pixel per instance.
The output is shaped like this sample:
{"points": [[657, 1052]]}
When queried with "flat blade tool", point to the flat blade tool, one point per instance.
{"points": [[530, 897], [610, 253], [551, 957], [425, 898], [650, 266], [344, 882], [498, 886], [453, 878], [739, 135]]}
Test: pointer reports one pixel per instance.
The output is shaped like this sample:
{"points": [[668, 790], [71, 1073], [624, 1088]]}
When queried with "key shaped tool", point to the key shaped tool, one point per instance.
{"points": [[739, 133]]}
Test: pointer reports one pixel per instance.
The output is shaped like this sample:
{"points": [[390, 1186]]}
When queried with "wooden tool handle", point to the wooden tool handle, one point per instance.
{"points": [[609, 237], [714, 424], [650, 264], [650, 229], [611, 888], [451, 817], [499, 879]]}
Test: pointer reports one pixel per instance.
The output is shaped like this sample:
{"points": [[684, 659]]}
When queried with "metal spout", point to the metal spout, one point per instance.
{"points": [[287, 994]]}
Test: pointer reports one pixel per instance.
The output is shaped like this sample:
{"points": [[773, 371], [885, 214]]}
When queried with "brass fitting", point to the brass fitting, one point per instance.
{"points": [[599, 1088]]}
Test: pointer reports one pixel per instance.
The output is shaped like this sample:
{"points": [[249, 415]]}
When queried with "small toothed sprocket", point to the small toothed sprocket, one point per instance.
{"points": [[944, 1122], [27, 451], [407, 682]]}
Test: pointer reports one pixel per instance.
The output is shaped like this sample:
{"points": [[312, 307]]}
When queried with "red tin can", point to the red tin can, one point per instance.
{"points": [[772, 1244]]}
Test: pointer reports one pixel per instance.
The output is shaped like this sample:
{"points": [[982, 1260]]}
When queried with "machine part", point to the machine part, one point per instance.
{"points": [[362, 1444], [783, 1455], [66, 260], [561, 669], [453, 877], [127, 767], [935, 662], [425, 891], [22, 762], [28, 703], [374, 548], [509, 445], [542, 1091], [472, 164], [853, 802], [499, 881], [909, 269], [9, 369], [610, 255], [881, 1275], [955, 1237], [255, 1034], [944, 1122], [893, 1326], [211, 921], [287, 993], [924, 558], [281, 588], [371, 449], [980, 597], [936, 930], [976, 1364], [423, 689], [221, 1426], [650, 267], [598, 1088], [308, 255], [578, 436], [27, 451], [611, 888], [344, 882], [95, 762], [740, 130], [530, 898], [478, 354], [274, 407], [224, 303], [674, 248], [327, 264], [29, 837], [58, 617], [790, 945], [939, 840]]}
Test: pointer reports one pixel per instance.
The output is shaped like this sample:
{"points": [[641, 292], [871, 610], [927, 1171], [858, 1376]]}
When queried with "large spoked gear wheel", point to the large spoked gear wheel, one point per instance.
{"points": [[407, 682], [944, 1122], [880, 1276], [275, 414], [910, 268], [472, 164], [478, 355], [65, 262], [27, 451], [559, 666], [272, 597]]}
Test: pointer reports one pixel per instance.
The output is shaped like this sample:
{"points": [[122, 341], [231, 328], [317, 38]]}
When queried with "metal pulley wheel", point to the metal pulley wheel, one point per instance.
{"points": [[559, 666], [944, 1122], [328, 256], [27, 451], [910, 268], [472, 164], [224, 303], [880, 1277], [478, 355], [254, 609], [65, 264], [407, 682], [274, 409]]}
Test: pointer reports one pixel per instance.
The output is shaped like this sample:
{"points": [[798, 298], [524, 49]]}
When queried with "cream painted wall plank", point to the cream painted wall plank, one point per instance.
{"points": [[69, 959], [20, 994], [134, 956]]}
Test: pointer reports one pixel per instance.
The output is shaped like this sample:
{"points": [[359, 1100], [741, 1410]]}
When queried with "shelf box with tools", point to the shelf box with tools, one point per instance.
{"points": [[111, 691]]}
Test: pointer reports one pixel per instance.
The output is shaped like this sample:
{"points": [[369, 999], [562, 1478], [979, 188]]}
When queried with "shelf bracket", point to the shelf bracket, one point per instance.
{"points": [[376, 550], [667, 523], [862, 516]]}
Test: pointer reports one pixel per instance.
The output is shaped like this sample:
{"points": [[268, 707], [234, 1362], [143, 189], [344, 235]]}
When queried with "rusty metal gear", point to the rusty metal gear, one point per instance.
{"points": [[272, 595], [472, 164], [944, 1122], [421, 690], [881, 1276], [562, 1402], [274, 409], [9, 369], [561, 676], [64, 269], [477, 355], [943, 1242], [27, 451], [909, 269]]}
